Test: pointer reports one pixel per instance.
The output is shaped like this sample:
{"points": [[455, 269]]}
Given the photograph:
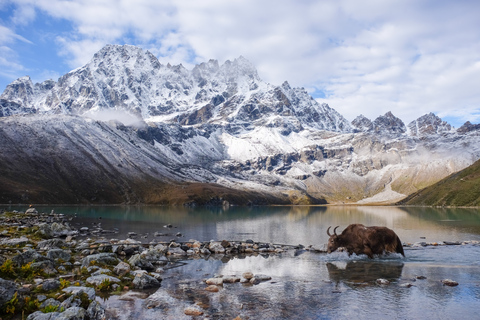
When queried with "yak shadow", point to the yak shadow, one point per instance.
{"points": [[360, 272]]}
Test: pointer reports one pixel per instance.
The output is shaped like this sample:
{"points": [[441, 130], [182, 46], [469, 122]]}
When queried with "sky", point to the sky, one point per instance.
{"points": [[410, 57]]}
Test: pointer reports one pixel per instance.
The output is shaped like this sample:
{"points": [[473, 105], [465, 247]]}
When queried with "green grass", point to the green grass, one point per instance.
{"points": [[459, 189]]}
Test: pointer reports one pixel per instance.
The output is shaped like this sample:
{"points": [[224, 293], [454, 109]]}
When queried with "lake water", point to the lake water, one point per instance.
{"points": [[304, 285]]}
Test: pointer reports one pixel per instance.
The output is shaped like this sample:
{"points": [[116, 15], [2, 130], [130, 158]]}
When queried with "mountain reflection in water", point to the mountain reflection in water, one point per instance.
{"points": [[309, 285], [364, 272]]}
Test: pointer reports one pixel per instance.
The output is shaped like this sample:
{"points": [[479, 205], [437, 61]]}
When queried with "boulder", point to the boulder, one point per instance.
{"points": [[100, 258], [75, 290], [216, 247], [15, 241], [144, 281], [7, 291], [138, 261], [97, 280], [95, 311], [39, 315], [58, 254], [214, 281], [50, 285], [27, 257], [51, 244], [72, 313], [121, 269], [50, 302], [46, 266], [31, 211]]}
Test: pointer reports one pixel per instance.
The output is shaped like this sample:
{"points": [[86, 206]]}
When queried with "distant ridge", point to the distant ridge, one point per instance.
{"points": [[459, 189], [125, 128]]}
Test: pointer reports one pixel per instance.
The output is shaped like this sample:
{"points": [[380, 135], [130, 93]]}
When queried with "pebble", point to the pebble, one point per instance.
{"points": [[215, 281], [450, 283], [212, 288], [193, 311], [383, 281]]}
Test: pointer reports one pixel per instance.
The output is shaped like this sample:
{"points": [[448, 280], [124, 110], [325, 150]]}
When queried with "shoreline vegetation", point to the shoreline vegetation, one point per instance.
{"points": [[47, 266]]}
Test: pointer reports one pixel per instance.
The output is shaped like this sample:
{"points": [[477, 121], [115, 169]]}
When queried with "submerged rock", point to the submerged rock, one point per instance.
{"points": [[450, 283], [144, 281]]}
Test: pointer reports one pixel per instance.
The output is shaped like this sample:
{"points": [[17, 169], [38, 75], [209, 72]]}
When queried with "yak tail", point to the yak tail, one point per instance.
{"points": [[399, 248]]}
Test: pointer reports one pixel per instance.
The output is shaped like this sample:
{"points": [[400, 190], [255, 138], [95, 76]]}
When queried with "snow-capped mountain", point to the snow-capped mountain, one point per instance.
{"points": [[125, 128], [126, 78]]}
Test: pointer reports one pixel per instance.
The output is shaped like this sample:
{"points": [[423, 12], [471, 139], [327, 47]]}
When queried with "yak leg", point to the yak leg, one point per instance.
{"points": [[368, 251]]}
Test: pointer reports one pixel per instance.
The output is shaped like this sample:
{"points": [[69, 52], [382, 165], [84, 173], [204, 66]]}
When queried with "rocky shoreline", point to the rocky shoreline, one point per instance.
{"points": [[51, 270]]}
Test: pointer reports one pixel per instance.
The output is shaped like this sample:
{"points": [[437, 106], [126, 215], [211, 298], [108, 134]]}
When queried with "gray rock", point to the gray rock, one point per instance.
{"points": [[51, 244], [7, 290], [122, 268], [406, 285], [144, 281], [176, 251], [100, 271], [15, 241], [75, 290], [31, 211], [383, 281], [46, 266], [263, 277], [27, 257], [72, 313], [100, 258], [58, 254], [96, 280], [450, 283], [95, 311], [39, 315], [55, 229], [216, 247], [50, 284], [50, 302], [138, 261]]}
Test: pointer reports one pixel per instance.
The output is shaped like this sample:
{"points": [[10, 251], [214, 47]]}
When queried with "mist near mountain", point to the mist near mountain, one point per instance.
{"points": [[125, 128]]}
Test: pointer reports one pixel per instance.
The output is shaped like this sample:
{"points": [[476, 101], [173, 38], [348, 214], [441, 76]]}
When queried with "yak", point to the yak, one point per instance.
{"points": [[358, 239]]}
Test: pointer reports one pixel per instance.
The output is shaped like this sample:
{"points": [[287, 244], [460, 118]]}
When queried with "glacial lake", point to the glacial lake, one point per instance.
{"points": [[305, 284]]}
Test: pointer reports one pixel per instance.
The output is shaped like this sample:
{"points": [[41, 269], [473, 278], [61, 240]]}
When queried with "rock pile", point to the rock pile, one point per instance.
{"points": [[49, 272]]}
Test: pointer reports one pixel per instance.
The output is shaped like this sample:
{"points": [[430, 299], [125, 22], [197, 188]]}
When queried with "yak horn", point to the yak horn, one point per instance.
{"points": [[335, 230], [328, 231]]}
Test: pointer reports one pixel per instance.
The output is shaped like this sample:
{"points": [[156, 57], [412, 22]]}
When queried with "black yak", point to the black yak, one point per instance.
{"points": [[358, 239]]}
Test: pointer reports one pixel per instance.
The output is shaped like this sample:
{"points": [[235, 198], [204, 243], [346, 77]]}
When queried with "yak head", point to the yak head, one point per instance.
{"points": [[333, 241]]}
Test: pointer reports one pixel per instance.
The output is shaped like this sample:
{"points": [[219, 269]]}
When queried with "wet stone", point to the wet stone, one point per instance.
{"points": [[383, 281], [212, 288], [450, 283], [144, 281], [214, 281], [193, 311]]}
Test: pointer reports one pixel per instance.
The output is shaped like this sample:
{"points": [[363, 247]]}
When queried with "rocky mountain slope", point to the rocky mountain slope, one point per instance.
{"points": [[459, 189], [126, 129]]}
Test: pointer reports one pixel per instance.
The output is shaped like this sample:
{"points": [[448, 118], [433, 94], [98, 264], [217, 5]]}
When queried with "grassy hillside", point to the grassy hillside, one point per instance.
{"points": [[459, 189]]}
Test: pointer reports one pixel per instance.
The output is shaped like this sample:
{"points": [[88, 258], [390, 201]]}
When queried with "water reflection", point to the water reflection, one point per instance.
{"points": [[363, 272], [305, 225]]}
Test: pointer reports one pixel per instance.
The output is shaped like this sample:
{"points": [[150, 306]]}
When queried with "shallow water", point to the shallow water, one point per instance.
{"points": [[304, 285]]}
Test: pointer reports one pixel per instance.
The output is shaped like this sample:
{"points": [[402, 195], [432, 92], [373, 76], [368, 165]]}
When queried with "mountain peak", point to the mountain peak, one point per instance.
{"points": [[428, 124], [388, 123], [362, 124]]}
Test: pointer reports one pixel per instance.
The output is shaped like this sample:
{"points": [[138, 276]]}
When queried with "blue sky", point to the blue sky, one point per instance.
{"points": [[369, 57]]}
